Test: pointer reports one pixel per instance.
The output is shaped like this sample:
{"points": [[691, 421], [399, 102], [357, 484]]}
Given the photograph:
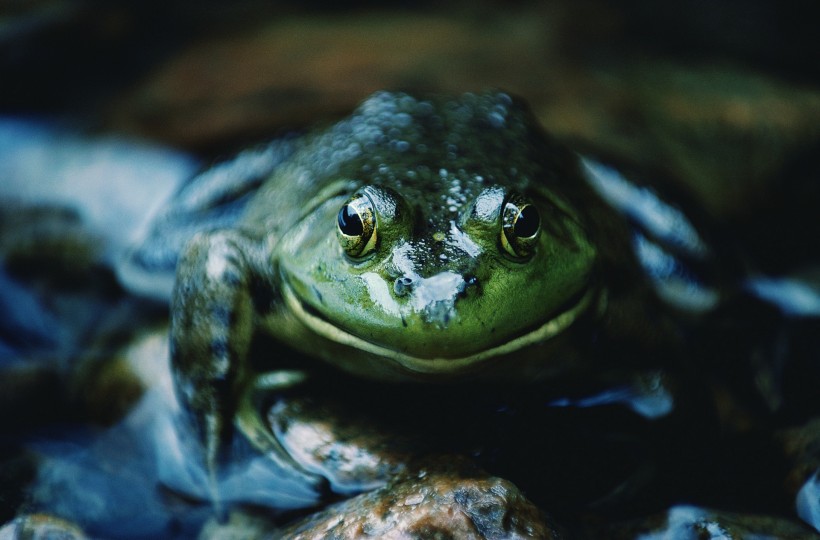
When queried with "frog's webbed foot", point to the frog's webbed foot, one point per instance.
{"points": [[258, 433]]}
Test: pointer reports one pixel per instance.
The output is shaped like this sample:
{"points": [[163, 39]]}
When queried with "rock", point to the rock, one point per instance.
{"points": [[704, 524], [41, 527], [802, 448], [238, 526], [446, 499]]}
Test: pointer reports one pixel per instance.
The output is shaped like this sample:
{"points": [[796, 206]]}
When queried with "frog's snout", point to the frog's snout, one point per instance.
{"points": [[433, 298], [406, 285]]}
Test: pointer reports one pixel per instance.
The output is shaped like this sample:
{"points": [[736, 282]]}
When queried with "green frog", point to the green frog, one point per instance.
{"points": [[419, 239]]}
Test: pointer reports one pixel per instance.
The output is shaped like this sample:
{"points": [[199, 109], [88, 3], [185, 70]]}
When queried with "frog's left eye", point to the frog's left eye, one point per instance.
{"points": [[521, 224], [356, 226]]}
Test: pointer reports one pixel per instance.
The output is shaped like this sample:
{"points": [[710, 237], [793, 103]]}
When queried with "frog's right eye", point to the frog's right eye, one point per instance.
{"points": [[356, 227]]}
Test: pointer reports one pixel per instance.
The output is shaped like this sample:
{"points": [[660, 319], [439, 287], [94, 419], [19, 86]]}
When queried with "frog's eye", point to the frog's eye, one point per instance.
{"points": [[356, 226], [520, 224]]}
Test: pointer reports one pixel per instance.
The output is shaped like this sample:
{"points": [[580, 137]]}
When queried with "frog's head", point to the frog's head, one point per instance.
{"points": [[441, 243]]}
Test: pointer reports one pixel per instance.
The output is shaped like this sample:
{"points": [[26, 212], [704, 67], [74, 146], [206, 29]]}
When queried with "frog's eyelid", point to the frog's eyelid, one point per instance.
{"points": [[334, 190], [488, 205]]}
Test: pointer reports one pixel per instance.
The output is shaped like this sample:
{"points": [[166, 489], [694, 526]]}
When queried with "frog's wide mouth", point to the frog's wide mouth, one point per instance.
{"points": [[432, 365]]}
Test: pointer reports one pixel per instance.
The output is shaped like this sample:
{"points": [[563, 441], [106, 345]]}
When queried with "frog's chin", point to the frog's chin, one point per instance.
{"points": [[442, 365]]}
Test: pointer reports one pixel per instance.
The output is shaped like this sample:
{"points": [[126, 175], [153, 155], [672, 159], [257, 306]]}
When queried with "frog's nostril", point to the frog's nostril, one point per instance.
{"points": [[403, 285], [470, 282]]}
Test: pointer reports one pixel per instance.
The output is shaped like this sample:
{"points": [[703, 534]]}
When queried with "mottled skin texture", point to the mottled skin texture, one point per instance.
{"points": [[442, 283]]}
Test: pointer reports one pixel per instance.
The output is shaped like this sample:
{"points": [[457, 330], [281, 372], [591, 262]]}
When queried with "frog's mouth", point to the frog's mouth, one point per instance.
{"points": [[432, 365]]}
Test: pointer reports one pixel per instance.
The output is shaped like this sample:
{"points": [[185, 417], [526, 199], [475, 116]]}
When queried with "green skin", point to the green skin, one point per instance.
{"points": [[443, 283]]}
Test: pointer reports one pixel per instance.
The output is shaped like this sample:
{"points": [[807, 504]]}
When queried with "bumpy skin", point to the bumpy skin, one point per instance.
{"points": [[442, 283]]}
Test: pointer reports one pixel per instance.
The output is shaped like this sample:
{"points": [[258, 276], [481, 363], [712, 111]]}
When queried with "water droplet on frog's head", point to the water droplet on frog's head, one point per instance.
{"points": [[496, 119], [402, 119], [400, 146]]}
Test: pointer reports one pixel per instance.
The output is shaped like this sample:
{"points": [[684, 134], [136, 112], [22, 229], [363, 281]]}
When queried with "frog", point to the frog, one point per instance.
{"points": [[422, 239]]}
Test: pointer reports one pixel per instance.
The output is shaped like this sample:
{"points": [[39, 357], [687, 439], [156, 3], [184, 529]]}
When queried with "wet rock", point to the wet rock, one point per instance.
{"points": [[699, 523], [33, 233], [64, 318], [446, 499], [808, 501], [802, 448], [239, 526], [41, 527], [75, 200]]}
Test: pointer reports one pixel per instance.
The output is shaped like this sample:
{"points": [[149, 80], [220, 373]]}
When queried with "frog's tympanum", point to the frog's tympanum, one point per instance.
{"points": [[419, 239]]}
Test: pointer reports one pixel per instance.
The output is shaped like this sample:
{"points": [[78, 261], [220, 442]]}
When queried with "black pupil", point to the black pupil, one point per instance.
{"points": [[349, 221], [527, 223]]}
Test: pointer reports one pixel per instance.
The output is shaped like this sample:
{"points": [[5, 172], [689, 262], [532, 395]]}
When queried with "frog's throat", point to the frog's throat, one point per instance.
{"points": [[550, 329]]}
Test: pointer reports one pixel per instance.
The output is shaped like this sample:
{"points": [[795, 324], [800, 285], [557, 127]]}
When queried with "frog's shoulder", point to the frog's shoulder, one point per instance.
{"points": [[213, 199]]}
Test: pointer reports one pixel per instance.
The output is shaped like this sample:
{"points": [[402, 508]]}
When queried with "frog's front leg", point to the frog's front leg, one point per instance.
{"points": [[211, 329], [213, 322]]}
